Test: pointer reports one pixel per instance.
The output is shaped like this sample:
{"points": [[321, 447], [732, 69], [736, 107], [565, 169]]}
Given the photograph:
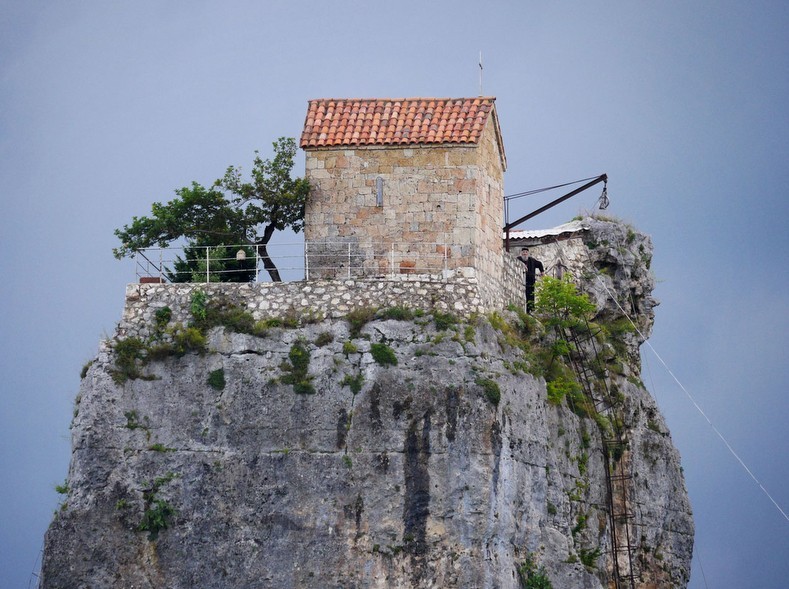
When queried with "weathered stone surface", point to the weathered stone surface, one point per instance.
{"points": [[460, 291], [417, 480], [447, 195]]}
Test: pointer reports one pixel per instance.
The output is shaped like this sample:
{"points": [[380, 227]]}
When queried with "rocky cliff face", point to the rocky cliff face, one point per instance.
{"points": [[403, 453]]}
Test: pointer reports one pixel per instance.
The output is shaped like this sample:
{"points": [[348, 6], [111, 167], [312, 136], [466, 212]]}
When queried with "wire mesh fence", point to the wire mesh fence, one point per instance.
{"points": [[315, 260]]}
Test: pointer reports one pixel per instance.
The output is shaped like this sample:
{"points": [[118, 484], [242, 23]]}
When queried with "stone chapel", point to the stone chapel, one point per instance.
{"points": [[412, 185]]}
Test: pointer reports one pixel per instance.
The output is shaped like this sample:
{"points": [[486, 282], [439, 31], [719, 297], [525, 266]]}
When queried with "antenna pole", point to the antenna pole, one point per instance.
{"points": [[480, 73]]}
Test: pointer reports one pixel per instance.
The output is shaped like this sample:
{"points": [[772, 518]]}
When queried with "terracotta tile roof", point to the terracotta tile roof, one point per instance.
{"points": [[395, 121]]}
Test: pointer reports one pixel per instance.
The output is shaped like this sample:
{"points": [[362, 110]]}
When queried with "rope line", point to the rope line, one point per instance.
{"points": [[35, 574], [701, 567], [538, 190], [695, 404], [696, 549]]}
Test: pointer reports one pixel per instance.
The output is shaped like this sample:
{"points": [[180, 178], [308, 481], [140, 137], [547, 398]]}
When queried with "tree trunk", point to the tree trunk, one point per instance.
{"points": [[262, 248]]}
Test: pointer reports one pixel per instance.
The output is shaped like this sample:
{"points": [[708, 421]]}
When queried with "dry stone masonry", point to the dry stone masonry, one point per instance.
{"points": [[459, 293]]}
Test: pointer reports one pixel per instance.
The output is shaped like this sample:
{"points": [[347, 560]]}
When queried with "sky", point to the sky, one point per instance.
{"points": [[108, 106]]}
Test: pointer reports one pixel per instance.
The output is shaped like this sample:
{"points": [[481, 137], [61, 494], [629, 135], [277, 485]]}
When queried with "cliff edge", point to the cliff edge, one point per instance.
{"points": [[400, 447]]}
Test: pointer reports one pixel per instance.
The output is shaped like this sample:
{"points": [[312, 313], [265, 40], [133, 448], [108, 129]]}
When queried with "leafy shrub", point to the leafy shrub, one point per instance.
{"points": [[580, 524], [299, 357], [358, 318], [216, 379], [349, 348], [222, 313], [355, 382], [133, 422], [580, 404], [128, 353], [532, 577], [188, 339], [561, 347], [324, 338], [491, 389], [162, 317], [615, 451], [383, 355], [304, 387], [182, 340], [84, 372], [498, 322], [62, 489], [583, 463], [199, 305], [160, 352], [297, 369], [397, 313], [444, 321], [155, 518], [236, 319], [560, 387], [132, 419], [603, 423], [613, 331], [291, 318], [157, 513], [527, 325], [559, 304], [589, 557]]}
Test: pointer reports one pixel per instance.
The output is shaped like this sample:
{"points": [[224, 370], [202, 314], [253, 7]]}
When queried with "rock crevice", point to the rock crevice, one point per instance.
{"points": [[382, 475]]}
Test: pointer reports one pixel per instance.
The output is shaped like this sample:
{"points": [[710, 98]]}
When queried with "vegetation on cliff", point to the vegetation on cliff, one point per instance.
{"points": [[429, 448]]}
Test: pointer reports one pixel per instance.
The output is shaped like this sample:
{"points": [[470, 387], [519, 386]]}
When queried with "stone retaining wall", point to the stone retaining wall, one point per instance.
{"points": [[460, 294]]}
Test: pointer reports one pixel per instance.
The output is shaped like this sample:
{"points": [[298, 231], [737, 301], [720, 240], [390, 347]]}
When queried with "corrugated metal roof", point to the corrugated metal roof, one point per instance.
{"points": [[571, 227]]}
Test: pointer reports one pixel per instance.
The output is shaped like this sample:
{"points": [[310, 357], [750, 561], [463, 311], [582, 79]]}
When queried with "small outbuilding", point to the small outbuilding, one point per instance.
{"points": [[411, 185]]}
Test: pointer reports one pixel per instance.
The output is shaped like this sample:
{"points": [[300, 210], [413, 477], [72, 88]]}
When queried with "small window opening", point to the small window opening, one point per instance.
{"points": [[379, 192]]}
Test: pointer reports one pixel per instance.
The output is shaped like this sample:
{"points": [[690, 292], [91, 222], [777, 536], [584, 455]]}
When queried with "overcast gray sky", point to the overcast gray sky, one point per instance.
{"points": [[107, 106]]}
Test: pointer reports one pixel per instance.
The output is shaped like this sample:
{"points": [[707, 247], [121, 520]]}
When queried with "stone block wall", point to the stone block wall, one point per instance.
{"points": [[489, 214], [443, 201], [512, 285], [461, 293]]}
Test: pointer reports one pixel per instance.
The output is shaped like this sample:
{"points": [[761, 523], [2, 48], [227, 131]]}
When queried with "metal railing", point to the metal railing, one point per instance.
{"points": [[313, 260]]}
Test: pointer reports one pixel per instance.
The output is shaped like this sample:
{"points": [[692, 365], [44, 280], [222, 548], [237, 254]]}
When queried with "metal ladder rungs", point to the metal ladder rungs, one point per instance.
{"points": [[621, 475], [617, 483]]}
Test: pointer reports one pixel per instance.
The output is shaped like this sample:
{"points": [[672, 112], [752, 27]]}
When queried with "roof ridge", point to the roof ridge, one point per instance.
{"points": [[401, 99]]}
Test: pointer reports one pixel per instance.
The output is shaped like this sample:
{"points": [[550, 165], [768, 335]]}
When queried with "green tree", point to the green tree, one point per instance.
{"points": [[559, 304], [230, 212]]}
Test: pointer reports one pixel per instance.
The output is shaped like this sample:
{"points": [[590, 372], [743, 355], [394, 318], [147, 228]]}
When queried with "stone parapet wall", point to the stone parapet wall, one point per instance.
{"points": [[459, 294], [513, 281]]}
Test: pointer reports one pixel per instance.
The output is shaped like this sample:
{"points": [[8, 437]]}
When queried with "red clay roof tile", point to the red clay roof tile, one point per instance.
{"points": [[394, 121]]}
